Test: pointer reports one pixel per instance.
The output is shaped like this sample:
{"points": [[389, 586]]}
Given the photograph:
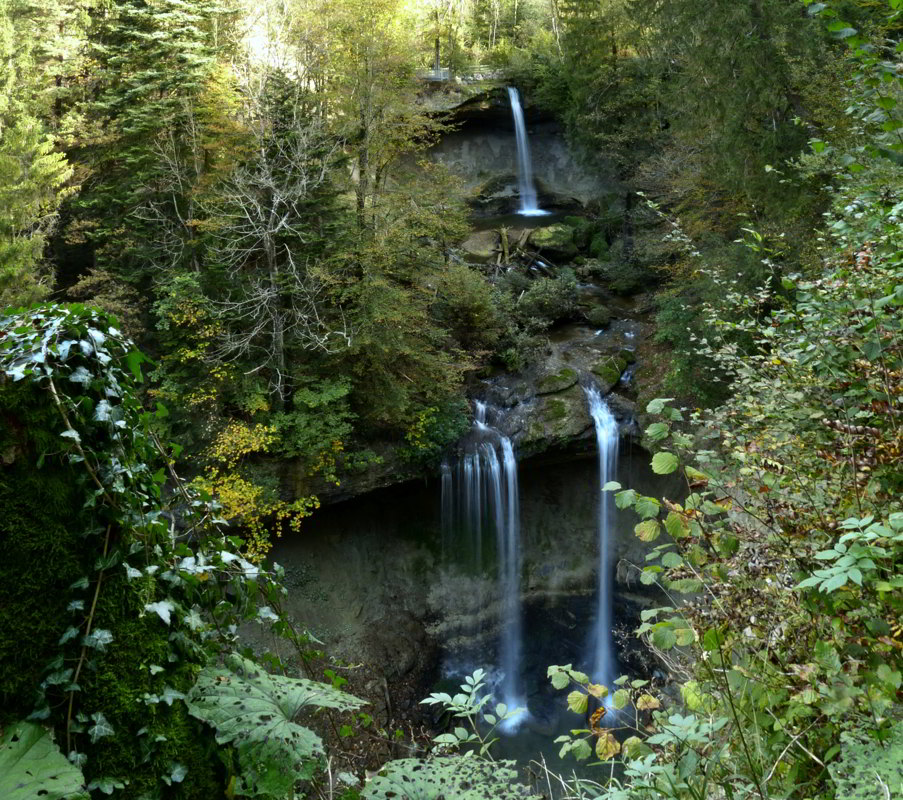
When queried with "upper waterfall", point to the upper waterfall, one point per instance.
{"points": [[529, 205]]}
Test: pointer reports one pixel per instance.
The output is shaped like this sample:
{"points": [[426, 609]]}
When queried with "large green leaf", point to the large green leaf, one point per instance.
{"points": [[446, 777], [31, 765], [869, 770], [254, 711]]}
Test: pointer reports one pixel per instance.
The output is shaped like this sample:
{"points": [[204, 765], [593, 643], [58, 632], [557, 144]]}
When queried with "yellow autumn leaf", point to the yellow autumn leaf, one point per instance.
{"points": [[607, 747], [647, 702]]}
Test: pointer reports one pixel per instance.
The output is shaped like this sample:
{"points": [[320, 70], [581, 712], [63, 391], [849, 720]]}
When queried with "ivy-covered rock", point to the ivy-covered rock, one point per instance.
{"points": [[106, 615]]}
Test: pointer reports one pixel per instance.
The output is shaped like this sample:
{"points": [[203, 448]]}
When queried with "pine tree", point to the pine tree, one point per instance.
{"points": [[154, 59], [32, 172]]}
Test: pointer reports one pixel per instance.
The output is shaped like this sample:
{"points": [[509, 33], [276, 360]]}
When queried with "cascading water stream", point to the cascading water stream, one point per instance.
{"points": [[529, 205], [603, 662], [480, 492]]}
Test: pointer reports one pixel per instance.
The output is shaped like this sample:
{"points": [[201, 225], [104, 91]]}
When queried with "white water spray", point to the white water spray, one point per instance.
{"points": [[529, 205]]}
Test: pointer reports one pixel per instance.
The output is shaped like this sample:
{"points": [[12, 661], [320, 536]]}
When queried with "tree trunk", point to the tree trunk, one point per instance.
{"points": [[278, 381]]}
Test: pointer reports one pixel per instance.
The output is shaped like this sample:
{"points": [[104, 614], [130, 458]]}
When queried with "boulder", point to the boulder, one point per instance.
{"points": [[583, 230], [482, 244], [555, 241], [562, 417], [598, 247], [608, 372], [599, 316], [556, 381]]}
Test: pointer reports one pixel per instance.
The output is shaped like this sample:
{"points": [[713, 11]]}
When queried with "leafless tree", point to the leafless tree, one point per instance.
{"points": [[261, 224]]}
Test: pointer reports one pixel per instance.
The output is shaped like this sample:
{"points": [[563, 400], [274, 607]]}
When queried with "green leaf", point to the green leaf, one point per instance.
{"points": [[253, 711], [889, 676], [664, 638], [657, 406], [664, 463], [711, 641], [446, 777], [621, 699], [162, 609], [867, 769], [634, 747], [134, 360], [32, 766], [658, 431], [648, 530], [647, 507], [581, 750], [578, 702], [100, 728], [676, 526], [560, 680], [685, 636]]}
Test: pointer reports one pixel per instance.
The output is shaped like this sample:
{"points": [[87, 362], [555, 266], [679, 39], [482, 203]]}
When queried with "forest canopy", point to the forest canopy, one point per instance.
{"points": [[233, 277]]}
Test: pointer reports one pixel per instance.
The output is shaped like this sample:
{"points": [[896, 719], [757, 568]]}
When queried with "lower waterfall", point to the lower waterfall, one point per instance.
{"points": [[602, 656], [480, 495]]}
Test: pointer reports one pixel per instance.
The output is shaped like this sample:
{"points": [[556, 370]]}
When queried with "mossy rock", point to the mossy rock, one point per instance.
{"points": [[583, 230], [555, 410], [557, 381], [598, 247], [609, 372], [482, 244], [555, 241], [627, 356], [626, 278], [51, 543], [495, 185], [598, 317]]}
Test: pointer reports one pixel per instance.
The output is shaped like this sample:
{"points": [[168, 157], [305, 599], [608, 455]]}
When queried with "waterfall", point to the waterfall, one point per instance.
{"points": [[603, 663], [529, 206], [480, 492]]}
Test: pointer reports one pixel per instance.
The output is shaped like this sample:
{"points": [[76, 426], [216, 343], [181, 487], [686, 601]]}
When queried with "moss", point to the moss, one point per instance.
{"points": [[583, 230], [610, 371], [41, 533], [598, 246], [627, 356], [558, 381], [555, 410], [556, 240]]}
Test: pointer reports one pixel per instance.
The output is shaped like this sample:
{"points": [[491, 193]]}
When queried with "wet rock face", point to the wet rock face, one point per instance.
{"points": [[545, 408], [481, 152], [500, 195], [380, 583]]}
